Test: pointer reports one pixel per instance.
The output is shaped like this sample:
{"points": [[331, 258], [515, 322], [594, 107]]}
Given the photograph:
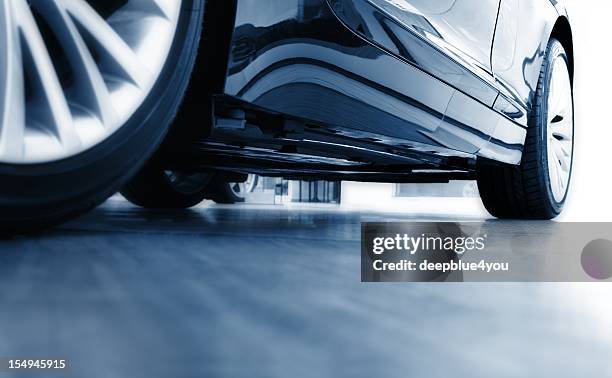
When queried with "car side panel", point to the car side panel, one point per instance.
{"points": [[465, 27], [298, 58], [523, 31], [410, 36]]}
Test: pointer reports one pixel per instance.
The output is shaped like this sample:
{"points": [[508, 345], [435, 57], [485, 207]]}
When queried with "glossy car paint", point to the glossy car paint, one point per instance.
{"points": [[409, 69], [408, 33], [465, 28], [523, 31]]}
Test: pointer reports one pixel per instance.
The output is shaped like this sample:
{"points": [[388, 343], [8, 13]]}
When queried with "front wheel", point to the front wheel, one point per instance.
{"points": [[88, 89], [538, 187]]}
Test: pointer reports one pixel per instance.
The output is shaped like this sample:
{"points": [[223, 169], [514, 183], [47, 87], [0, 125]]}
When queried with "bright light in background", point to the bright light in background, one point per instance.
{"points": [[379, 197], [591, 195]]}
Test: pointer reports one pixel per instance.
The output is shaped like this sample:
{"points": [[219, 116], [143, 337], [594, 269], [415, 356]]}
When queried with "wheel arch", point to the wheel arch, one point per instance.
{"points": [[562, 31], [208, 77]]}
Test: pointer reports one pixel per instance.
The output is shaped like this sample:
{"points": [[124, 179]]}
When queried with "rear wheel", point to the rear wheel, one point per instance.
{"points": [[224, 192], [538, 187], [87, 92], [157, 188]]}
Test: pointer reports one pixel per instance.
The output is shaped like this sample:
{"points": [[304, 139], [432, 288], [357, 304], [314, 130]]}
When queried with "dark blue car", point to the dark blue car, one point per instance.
{"points": [[170, 100]]}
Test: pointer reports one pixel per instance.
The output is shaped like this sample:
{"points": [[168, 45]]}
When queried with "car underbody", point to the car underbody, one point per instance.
{"points": [[247, 139]]}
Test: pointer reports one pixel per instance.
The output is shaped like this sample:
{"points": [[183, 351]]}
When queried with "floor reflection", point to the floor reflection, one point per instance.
{"points": [[275, 292]]}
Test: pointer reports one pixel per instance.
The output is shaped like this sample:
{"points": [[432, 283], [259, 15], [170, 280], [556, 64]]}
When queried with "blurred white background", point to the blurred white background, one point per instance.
{"points": [[591, 195]]}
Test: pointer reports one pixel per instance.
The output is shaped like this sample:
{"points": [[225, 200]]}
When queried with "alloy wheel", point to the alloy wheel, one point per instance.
{"points": [[72, 72], [241, 189], [560, 129]]}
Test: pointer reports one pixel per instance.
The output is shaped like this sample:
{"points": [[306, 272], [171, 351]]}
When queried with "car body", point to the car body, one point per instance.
{"points": [[396, 91], [428, 84]]}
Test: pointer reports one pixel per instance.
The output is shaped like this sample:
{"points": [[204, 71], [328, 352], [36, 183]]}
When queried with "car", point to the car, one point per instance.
{"points": [[165, 99]]}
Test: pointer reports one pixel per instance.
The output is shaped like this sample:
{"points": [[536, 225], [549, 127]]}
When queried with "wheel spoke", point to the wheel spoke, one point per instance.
{"points": [[50, 108], [556, 176], [120, 57], [561, 154], [12, 88], [236, 188], [563, 130], [90, 92], [559, 150]]}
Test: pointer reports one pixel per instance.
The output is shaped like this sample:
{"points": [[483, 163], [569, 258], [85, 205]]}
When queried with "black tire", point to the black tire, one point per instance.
{"points": [[221, 192], [156, 188], [524, 191], [41, 195]]}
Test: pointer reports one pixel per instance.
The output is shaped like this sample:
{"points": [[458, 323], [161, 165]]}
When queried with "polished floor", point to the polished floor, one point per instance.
{"points": [[263, 291]]}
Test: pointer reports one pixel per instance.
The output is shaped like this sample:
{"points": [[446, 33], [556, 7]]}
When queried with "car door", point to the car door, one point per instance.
{"points": [[463, 28], [522, 35]]}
